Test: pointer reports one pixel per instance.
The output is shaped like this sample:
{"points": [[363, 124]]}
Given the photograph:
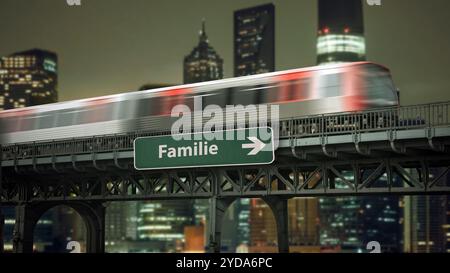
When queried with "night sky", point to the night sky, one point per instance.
{"points": [[112, 46]]}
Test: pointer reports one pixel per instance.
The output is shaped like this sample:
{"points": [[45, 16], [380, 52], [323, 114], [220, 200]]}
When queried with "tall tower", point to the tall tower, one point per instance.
{"points": [[350, 222], [203, 63], [30, 78], [341, 32], [254, 40], [254, 53]]}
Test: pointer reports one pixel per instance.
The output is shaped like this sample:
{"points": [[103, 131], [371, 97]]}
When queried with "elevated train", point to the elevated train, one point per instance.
{"points": [[300, 92]]}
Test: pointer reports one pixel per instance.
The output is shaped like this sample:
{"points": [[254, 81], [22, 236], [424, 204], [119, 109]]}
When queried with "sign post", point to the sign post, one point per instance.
{"points": [[249, 146]]}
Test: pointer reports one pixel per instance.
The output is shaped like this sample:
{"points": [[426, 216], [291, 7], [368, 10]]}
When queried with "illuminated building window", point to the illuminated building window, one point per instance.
{"points": [[254, 40], [16, 78], [341, 43], [203, 63]]}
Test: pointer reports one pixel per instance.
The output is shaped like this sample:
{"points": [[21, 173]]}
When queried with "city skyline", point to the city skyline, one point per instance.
{"points": [[95, 48], [253, 219]]}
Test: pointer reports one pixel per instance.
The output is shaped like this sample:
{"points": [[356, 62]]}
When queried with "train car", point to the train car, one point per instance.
{"points": [[300, 92]]}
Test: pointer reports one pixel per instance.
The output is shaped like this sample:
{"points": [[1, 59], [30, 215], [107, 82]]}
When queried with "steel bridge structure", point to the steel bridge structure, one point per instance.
{"points": [[387, 151]]}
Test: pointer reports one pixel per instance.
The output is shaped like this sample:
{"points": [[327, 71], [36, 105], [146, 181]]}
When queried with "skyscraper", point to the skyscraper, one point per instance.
{"points": [[341, 32], [254, 40], [121, 222], [254, 53], [303, 221], [351, 222], [28, 78], [203, 63], [424, 224]]}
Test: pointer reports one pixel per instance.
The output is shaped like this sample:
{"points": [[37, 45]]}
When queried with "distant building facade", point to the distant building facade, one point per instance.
{"points": [[164, 222], [426, 221], [424, 226], [203, 63], [28, 78], [254, 40], [351, 222]]}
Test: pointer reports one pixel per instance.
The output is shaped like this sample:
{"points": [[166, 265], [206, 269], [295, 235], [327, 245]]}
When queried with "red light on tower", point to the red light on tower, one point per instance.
{"points": [[347, 30], [326, 30]]}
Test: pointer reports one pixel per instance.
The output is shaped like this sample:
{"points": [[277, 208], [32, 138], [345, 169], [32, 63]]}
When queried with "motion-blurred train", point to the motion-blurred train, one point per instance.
{"points": [[299, 92]]}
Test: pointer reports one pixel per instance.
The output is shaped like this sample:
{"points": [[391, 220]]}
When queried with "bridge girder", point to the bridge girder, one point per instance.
{"points": [[296, 179]]}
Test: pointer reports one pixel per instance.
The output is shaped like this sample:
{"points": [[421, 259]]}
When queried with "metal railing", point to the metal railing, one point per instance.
{"points": [[382, 119]]}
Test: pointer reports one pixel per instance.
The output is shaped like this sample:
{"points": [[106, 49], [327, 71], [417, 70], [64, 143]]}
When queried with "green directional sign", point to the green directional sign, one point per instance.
{"points": [[252, 146]]}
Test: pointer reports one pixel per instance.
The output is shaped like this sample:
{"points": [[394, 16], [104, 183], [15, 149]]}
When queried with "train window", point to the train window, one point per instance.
{"points": [[97, 113], [294, 90], [46, 120], [153, 105], [126, 109], [379, 85], [245, 95], [27, 123], [270, 93], [329, 85], [9, 124], [147, 107], [165, 104], [66, 118], [302, 89], [218, 97]]}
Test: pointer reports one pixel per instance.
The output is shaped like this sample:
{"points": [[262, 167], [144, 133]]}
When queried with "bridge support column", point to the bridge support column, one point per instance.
{"points": [[27, 215], [217, 210], [94, 217], [93, 214], [279, 208], [26, 218]]}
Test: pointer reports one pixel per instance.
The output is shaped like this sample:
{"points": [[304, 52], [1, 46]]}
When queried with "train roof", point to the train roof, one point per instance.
{"points": [[126, 95]]}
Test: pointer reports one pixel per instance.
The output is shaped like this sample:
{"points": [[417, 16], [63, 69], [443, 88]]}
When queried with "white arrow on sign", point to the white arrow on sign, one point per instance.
{"points": [[257, 145]]}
